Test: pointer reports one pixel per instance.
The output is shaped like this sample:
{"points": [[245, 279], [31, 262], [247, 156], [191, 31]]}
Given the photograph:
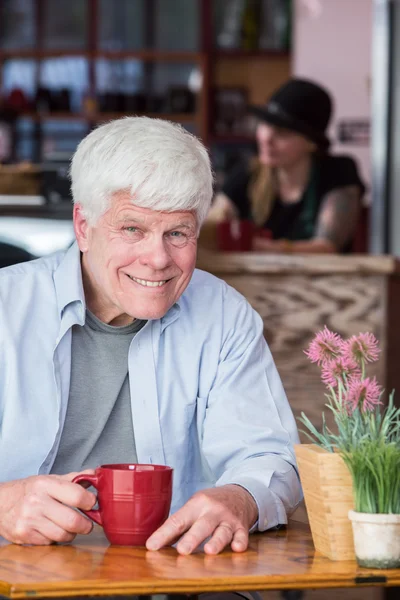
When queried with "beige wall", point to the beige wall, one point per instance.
{"points": [[333, 44]]}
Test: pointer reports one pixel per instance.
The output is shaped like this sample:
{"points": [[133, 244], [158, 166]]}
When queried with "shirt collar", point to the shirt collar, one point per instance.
{"points": [[69, 288], [68, 282], [171, 316]]}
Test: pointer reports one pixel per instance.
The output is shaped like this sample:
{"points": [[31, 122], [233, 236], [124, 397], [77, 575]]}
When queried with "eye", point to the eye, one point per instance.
{"points": [[131, 230], [177, 238], [132, 233]]}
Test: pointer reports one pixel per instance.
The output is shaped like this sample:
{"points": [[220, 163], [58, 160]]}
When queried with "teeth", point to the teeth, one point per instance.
{"points": [[148, 283]]}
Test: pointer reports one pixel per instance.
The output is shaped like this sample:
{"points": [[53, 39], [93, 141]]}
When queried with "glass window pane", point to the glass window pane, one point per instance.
{"points": [[173, 82], [17, 24], [64, 81], [58, 137], [120, 85], [65, 24], [176, 25], [19, 83], [137, 24], [61, 137], [275, 25], [24, 139], [252, 24], [134, 86], [121, 24], [227, 23]]}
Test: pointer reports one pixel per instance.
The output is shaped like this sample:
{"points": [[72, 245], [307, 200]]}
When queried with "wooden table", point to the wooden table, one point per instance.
{"points": [[282, 559]]}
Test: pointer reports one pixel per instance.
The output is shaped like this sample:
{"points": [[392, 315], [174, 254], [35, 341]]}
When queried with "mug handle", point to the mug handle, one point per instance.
{"points": [[93, 480]]}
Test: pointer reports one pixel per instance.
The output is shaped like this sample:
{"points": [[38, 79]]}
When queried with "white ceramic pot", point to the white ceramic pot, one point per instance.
{"points": [[376, 539]]}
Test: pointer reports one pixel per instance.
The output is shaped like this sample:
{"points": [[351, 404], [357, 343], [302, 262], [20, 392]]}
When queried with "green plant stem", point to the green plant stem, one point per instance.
{"points": [[369, 443]]}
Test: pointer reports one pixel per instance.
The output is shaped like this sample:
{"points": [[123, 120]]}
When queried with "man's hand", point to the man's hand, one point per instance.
{"points": [[36, 510], [225, 513]]}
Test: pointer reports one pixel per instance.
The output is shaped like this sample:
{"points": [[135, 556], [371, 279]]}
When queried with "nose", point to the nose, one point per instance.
{"points": [[265, 133], [155, 253]]}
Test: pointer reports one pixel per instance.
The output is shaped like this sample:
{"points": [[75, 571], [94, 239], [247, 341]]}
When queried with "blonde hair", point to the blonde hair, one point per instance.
{"points": [[262, 191]]}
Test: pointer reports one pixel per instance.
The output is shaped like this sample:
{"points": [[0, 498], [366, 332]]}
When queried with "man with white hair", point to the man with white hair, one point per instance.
{"points": [[118, 350]]}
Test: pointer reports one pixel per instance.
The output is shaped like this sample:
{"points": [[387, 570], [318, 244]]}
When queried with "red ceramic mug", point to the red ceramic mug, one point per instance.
{"points": [[134, 500], [235, 236]]}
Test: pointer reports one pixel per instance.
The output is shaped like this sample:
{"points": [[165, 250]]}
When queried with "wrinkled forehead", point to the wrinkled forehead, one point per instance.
{"points": [[124, 210]]}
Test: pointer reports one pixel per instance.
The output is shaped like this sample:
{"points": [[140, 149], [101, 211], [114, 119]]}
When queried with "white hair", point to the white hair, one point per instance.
{"points": [[159, 163]]}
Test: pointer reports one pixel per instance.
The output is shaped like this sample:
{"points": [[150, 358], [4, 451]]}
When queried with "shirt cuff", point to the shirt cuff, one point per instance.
{"points": [[271, 511]]}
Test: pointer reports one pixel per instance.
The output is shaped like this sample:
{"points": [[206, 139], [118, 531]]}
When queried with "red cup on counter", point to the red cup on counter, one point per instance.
{"points": [[235, 236], [264, 233], [134, 500]]}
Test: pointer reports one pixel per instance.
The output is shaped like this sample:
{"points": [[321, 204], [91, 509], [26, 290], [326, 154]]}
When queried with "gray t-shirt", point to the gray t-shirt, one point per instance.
{"points": [[98, 425]]}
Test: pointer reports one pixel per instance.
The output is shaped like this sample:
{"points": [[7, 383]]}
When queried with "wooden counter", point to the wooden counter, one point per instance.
{"points": [[297, 295], [283, 559]]}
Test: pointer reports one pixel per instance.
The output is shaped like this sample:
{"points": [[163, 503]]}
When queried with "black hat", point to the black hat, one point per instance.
{"points": [[299, 105]]}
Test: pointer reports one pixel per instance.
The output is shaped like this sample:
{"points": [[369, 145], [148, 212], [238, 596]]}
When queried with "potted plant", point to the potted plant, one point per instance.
{"points": [[366, 441]]}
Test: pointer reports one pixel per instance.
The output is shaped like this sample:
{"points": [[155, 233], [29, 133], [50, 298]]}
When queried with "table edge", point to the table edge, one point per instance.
{"points": [[194, 586]]}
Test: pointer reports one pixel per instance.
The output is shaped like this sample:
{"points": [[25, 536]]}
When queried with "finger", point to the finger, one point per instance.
{"points": [[222, 536], [71, 494], [53, 532], [30, 536], [200, 531], [72, 475], [38, 539], [172, 529], [67, 518], [240, 540]]}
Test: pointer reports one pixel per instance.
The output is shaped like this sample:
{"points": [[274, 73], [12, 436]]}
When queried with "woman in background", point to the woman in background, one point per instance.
{"points": [[305, 199]]}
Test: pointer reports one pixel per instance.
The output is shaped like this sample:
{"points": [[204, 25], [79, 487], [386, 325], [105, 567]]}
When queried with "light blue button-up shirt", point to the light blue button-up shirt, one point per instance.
{"points": [[205, 394]]}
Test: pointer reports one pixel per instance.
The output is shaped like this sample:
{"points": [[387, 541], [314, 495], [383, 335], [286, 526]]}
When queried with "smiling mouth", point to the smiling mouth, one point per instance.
{"points": [[147, 283]]}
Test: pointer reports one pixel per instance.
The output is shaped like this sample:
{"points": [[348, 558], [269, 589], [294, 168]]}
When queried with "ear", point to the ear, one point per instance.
{"points": [[81, 228]]}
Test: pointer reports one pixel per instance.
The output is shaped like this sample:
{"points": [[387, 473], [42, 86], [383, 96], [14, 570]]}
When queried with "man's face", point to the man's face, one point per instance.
{"points": [[136, 262]]}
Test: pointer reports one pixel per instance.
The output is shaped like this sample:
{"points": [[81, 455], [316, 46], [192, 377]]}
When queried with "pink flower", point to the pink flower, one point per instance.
{"points": [[325, 347], [363, 394], [362, 348], [339, 369]]}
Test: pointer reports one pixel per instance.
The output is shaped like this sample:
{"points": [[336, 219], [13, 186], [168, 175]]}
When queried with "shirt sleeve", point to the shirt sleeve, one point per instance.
{"points": [[341, 171], [236, 188], [249, 429]]}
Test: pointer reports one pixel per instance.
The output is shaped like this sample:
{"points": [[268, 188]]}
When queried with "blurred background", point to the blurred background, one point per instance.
{"points": [[68, 65]]}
